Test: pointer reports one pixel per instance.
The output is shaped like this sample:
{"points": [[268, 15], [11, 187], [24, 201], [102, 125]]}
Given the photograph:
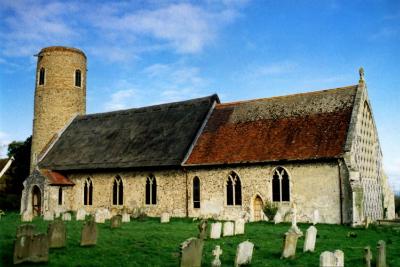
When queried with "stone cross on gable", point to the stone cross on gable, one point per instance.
{"points": [[216, 252]]}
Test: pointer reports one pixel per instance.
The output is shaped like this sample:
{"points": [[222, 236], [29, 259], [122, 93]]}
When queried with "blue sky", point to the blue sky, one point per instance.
{"points": [[146, 52]]}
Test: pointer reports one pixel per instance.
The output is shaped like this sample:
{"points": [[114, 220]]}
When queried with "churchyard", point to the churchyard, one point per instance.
{"points": [[147, 242]]}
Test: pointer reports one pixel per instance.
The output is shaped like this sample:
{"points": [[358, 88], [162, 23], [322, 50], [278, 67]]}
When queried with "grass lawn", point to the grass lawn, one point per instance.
{"points": [[149, 243]]}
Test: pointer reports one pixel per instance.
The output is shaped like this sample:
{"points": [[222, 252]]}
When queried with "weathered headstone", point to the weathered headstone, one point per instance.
{"points": [[215, 232], [381, 256], [327, 259], [311, 235], [26, 229], [89, 233], [116, 221], [216, 253], [229, 228], [277, 217], [126, 217], [164, 217], [191, 252], [48, 216], [81, 214], [31, 249], [66, 216], [26, 216], [57, 234], [21, 248], [294, 227], [315, 218], [339, 258], [290, 244], [239, 226], [367, 256], [99, 216], [244, 253], [203, 229]]}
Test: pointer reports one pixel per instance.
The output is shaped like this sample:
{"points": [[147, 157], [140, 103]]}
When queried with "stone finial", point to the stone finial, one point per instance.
{"points": [[361, 72]]}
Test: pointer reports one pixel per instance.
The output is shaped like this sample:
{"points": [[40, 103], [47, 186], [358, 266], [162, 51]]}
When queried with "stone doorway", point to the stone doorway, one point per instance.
{"points": [[36, 201], [257, 208]]}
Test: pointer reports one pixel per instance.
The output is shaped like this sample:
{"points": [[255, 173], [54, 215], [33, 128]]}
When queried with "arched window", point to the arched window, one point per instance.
{"points": [[41, 76], [60, 196], [280, 185], [151, 190], [196, 192], [78, 78], [118, 191], [88, 192], [233, 190]]}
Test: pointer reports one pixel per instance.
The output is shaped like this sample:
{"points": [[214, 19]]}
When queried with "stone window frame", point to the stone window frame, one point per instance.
{"points": [[199, 188], [234, 177], [119, 196], [280, 185], [75, 78], [41, 81], [152, 201], [86, 184]]}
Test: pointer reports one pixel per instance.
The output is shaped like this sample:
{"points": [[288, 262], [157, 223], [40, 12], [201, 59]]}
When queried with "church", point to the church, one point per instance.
{"points": [[203, 158]]}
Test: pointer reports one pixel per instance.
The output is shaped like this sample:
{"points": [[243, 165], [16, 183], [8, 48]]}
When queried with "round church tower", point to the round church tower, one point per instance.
{"points": [[60, 94]]}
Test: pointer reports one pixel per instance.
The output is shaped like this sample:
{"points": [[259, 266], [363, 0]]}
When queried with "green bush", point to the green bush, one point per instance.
{"points": [[270, 209]]}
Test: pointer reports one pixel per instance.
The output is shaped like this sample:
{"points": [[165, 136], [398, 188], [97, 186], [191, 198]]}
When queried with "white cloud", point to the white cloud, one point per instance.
{"points": [[121, 99], [4, 142]]}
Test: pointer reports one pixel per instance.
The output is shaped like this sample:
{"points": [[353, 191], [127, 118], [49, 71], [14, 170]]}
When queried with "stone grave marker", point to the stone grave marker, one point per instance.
{"points": [[26, 216], [48, 216], [31, 249], [57, 234], [381, 256], [339, 258], [367, 256], [203, 229], [315, 218], [164, 217], [290, 244], [229, 229], [191, 252], [311, 235], [244, 253], [99, 216], [215, 232], [116, 221], [216, 253], [81, 214], [239, 226], [66, 216], [89, 233], [367, 221], [327, 259], [277, 217], [26, 229], [126, 217]]}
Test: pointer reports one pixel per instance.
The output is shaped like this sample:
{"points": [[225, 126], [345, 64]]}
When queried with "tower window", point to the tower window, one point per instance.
{"points": [[196, 192], [233, 190], [41, 76], [118, 191], [78, 78], [151, 190], [280, 185]]}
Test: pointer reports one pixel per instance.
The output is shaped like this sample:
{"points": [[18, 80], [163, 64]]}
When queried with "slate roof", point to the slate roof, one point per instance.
{"points": [[157, 135], [295, 127]]}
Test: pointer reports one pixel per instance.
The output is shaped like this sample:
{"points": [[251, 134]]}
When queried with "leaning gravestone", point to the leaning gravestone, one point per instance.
{"points": [[164, 217], [66, 216], [311, 235], [31, 249], [116, 221], [239, 226], [57, 234], [244, 253], [81, 214], [367, 256], [381, 258], [26, 229], [215, 232], [203, 229], [290, 244], [126, 217], [277, 218], [89, 233], [216, 253], [229, 229], [191, 252]]}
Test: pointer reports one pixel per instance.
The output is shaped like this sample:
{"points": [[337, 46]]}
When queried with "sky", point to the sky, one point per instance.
{"points": [[147, 52]]}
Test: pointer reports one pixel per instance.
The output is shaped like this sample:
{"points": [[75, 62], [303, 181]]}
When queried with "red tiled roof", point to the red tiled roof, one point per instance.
{"points": [[56, 178], [295, 127]]}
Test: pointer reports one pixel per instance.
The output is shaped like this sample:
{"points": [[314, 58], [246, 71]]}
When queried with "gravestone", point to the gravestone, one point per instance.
{"points": [[215, 232], [57, 234], [277, 217], [164, 217], [315, 218], [367, 256], [21, 248], [48, 216], [99, 216], [339, 258], [116, 221], [203, 229], [244, 253], [191, 252], [26, 216], [367, 221], [229, 228], [26, 229], [31, 249], [381, 256], [311, 235], [89, 233], [216, 253], [327, 259], [126, 217], [290, 244], [66, 216], [294, 227], [81, 214], [239, 226]]}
